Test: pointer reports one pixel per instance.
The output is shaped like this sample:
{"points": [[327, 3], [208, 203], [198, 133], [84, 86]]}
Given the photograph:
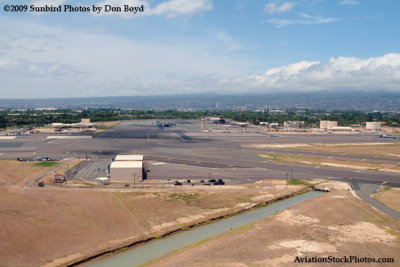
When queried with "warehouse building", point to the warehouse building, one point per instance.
{"points": [[327, 125], [373, 125], [126, 170]]}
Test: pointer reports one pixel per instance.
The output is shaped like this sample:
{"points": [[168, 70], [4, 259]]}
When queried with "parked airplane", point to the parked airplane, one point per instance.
{"points": [[386, 136]]}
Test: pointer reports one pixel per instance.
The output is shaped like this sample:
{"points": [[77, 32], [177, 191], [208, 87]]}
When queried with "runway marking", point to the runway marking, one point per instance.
{"points": [[68, 137], [7, 137]]}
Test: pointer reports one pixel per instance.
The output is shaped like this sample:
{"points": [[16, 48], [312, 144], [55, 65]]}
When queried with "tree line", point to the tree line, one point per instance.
{"points": [[10, 118]]}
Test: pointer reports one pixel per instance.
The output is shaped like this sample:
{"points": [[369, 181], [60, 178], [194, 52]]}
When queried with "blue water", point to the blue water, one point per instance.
{"points": [[160, 247]]}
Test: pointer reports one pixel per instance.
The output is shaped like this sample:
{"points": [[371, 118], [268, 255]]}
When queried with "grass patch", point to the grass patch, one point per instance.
{"points": [[298, 182], [46, 163]]}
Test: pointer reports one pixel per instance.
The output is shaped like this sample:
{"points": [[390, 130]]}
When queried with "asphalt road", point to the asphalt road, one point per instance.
{"points": [[364, 191]]}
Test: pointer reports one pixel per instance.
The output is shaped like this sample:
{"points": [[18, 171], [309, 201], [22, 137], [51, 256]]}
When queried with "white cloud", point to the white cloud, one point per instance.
{"points": [[170, 8], [345, 73], [60, 62], [272, 7], [8, 64], [173, 8], [39, 60], [349, 2], [304, 19]]}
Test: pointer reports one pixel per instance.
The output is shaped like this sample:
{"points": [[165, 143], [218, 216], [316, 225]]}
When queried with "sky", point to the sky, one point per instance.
{"points": [[200, 46]]}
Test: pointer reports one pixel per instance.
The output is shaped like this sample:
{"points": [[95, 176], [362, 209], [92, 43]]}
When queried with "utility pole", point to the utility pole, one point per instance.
{"points": [[291, 174], [287, 174], [68, 171]]}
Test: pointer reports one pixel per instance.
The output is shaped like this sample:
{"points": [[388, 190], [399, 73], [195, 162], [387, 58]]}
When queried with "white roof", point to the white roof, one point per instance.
{"points": [[102, 179], [126, 164], [128, 157]]}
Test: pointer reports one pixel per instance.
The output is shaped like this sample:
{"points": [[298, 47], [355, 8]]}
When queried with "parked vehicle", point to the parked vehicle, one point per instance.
{"points": [[219, 182]]}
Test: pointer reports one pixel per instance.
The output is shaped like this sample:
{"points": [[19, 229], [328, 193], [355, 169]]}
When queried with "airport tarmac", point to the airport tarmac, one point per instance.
{"points": [[185, 151]]}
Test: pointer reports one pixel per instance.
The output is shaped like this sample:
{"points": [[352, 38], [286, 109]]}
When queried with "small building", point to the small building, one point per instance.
{"points": [[294, 124], [212, 119], [342, 129], [274, 125], [126, 170], [103, 180], [240, 124]]}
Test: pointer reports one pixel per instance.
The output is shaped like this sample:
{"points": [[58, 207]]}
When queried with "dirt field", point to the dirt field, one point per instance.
{"points": [[333, 224], [333, 163], [390, 197], [57, 225], [14, 173]]}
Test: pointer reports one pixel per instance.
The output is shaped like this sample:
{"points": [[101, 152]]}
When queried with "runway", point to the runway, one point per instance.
{"points": [[188, 151]]}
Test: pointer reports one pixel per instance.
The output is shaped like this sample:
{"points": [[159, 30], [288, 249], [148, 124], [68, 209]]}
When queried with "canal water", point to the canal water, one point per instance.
{"points": [[160, 247]]}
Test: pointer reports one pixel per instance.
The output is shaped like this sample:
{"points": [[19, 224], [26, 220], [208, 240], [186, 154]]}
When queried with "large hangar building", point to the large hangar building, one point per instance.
{"points": [[129, 158], [127, 168]]}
